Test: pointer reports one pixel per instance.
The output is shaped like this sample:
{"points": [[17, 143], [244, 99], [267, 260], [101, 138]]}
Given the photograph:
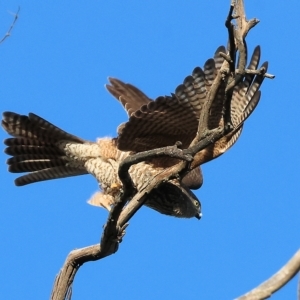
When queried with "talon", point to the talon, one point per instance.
{"points": [[228, 127], [178, 144], [101, 200], [114, 185], [121, 233]]}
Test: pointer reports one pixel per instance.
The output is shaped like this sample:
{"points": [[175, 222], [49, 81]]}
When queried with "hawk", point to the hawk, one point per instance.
{"points": [[47, 152]]}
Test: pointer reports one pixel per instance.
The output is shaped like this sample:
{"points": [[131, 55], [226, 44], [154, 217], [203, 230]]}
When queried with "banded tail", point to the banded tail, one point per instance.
{"points": [[37, 147]]}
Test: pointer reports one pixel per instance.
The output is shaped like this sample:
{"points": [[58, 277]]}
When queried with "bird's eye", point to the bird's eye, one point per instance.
{"points": [[196, 203]]}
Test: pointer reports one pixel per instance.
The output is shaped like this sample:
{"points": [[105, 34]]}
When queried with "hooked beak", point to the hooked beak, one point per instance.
{"points": [[198, 216]]}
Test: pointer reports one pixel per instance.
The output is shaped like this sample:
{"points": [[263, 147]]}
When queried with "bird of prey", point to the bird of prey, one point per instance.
{"points": [[47, 152]]}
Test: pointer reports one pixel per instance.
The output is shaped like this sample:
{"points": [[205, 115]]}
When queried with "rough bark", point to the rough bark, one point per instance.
{"points": [[114, 229]]}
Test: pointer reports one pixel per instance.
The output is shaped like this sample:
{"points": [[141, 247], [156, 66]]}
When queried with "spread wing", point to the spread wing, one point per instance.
{"points": [[148, 131], [128, 95], [148, 127], [132, 100], [169, 119], [245, 98]]}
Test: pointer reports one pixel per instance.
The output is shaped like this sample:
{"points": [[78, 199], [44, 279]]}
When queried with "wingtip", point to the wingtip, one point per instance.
{"points": [[5, 114], [257, 48], [265, 65], [4, 125], [188, 80], [221, 48], [111, 79]]}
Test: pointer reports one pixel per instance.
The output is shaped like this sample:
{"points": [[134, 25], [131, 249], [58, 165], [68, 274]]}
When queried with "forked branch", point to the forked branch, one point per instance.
{"points": [[114, 228]]}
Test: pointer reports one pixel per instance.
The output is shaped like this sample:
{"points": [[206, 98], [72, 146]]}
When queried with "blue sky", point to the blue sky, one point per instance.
{"points": [[56, 63]]}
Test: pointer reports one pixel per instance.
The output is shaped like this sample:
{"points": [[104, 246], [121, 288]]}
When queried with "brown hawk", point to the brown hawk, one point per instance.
{"points": [[47, 152]]}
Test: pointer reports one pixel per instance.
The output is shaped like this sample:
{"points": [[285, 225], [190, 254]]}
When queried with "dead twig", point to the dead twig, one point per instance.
{"points": [[111, 237], [119, 216], [116, 223], [260, 72], [11, 26], [276, 282]]}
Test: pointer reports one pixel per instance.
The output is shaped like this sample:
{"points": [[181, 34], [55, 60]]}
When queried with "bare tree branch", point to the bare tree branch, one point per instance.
{"points": [[111, 237], [261, 72], [276, 282], [117, 221], [75, 259], [11, 26], [171, 151]]}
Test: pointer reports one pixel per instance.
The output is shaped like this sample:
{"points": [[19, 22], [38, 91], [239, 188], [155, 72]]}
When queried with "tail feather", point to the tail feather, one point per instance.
{"points": [[32, 149], [17, 141], [35, 128], [47, 174], [32, 162], [52, 130], [37, 148]]}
